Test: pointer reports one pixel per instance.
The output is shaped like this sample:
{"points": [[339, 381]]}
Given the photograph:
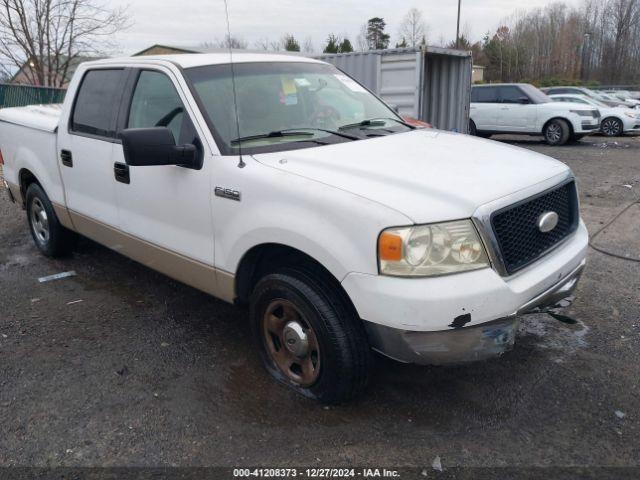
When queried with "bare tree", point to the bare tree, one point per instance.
{"points": [[307, 46], [363, 42], [413, 27], [48, 36], [261, 44], [229, 41], [597, 40]]}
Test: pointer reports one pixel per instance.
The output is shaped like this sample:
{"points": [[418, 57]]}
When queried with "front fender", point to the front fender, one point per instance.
{"points": [[336, 228]]}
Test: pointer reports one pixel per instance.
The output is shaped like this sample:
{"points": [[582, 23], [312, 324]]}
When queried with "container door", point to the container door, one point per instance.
{"points": [[400, 80]]}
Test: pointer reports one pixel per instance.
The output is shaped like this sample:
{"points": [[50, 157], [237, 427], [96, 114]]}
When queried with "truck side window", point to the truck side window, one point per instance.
{"points": [[97, 102], [156, 103]]}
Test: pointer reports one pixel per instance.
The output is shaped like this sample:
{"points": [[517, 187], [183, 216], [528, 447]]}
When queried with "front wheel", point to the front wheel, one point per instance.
{"points": [[557, 132], [51, 238], [309, 338], [472, 128], [611, 127]]}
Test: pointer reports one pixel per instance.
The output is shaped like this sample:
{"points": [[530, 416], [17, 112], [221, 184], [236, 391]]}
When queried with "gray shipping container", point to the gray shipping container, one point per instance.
{"points": [[429, 83]]}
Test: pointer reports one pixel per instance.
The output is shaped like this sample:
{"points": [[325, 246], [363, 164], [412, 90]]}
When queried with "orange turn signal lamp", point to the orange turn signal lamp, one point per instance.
{"points": [[390, 247]]}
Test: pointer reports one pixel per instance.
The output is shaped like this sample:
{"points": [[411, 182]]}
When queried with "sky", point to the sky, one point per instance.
{"points": [[193, 22]]}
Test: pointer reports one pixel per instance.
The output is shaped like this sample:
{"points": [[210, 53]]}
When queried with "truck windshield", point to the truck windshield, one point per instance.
{"points": [[288, 105]]}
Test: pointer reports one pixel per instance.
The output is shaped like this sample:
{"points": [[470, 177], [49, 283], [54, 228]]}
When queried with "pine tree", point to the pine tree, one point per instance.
{"points": [[376, 38]]}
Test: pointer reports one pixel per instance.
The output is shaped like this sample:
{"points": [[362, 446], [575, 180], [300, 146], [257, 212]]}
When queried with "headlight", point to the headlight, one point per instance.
{"points": [[425, 250]]}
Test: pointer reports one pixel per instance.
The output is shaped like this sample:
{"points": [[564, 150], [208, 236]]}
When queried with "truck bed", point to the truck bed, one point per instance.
{"points": [[28, 141], [40, 117]]}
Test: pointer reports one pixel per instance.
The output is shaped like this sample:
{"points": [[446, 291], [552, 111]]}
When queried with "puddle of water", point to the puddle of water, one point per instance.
{"points": [[554, 335]]}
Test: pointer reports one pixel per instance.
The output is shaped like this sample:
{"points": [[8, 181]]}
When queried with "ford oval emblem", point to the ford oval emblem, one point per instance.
{"points": [[547, 221]]}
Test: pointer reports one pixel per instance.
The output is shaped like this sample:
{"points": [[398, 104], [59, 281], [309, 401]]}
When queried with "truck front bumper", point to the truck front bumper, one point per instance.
{"points": [[471, 344], [467, 316]]}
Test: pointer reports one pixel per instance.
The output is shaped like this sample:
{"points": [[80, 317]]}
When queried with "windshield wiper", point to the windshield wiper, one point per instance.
{"points": [[372, 122], [293, 132]]}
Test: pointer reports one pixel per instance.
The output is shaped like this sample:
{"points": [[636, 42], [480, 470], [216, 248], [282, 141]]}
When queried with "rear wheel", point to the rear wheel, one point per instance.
{"points": [[49, 235], [309, 337], [611, 127], [557, 132]]}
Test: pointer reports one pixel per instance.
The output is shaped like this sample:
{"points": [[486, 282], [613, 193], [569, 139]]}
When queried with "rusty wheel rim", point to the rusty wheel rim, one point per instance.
{"points": [[291, 343]]}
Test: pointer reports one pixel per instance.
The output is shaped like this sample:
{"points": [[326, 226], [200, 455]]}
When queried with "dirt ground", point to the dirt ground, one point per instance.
{"points": [[121, 366]]}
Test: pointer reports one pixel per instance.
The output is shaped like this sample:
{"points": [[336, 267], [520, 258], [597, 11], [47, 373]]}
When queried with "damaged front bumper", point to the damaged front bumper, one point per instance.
{"points": [[473, 343]]}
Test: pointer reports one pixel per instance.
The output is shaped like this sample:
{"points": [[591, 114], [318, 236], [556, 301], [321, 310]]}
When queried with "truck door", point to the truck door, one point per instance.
{"points": [[85, 149], [165, 209]]}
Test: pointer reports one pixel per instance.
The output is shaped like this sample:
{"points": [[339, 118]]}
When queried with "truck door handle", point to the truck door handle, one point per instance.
{"points": [[66, 158], [121, 172]]}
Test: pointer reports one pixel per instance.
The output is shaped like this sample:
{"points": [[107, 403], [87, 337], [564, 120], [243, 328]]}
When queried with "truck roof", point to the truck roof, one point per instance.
{"points": [[201, 59]]}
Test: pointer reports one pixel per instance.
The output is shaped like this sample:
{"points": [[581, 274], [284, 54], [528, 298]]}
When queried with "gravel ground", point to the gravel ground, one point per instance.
{"points": [[121, 366]]}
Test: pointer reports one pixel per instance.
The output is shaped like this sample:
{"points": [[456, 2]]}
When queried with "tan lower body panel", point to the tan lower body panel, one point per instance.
{"points": [[191, 272], [63, 215]]}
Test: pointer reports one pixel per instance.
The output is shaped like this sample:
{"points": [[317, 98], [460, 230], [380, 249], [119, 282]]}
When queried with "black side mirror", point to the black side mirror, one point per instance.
{"points": [[156, 146], [524, 100]]}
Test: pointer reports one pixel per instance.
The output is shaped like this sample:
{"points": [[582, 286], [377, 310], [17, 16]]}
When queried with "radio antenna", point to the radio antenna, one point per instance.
{"points": [[241, 163]]}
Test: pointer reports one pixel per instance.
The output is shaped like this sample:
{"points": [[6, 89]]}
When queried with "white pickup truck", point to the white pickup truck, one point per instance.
{"points": [[281, 183]]}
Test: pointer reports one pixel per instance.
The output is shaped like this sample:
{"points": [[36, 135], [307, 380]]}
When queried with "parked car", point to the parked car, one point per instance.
{"points": [[622, 96], [615, 120], [586, 92], [308, 199], [520, 108], [607, 97]]}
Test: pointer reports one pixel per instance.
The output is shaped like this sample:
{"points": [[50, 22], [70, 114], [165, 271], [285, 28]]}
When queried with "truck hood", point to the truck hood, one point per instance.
{"points": [[428, 175]]}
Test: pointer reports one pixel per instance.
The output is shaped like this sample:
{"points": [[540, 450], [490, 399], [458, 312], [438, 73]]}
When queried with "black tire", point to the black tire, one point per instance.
{"points": [[557, 132], [343, 355], [472, 128], [611, 127], [51, 238]]}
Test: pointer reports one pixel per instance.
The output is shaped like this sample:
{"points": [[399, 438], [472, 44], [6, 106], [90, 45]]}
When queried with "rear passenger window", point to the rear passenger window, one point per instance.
{"points": [[511, 94], [97, 102], [484, 95], [156, 103]]}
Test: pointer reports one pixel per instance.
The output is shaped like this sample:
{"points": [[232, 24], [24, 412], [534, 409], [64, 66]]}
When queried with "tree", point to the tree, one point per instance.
{"points": [[363, 43], [307, 46], [232, 42], [333, 44], [413, 28], [402, 44], [50, 36], [377, 39], [345, 46], [290, 44], [463, 43]]}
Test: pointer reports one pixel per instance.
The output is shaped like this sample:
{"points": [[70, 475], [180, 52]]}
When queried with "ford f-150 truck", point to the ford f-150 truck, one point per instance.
{"points": [[280, 183]]}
